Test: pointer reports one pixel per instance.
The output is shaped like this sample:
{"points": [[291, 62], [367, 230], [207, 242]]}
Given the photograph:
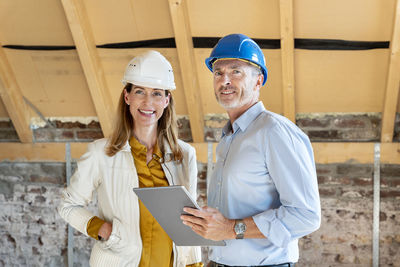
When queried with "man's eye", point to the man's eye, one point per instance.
{"points": [[217, 73], [236, 71]]}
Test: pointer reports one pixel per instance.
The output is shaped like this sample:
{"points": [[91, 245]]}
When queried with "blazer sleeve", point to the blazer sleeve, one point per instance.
{"points": [[194, 255], [79, 192]]}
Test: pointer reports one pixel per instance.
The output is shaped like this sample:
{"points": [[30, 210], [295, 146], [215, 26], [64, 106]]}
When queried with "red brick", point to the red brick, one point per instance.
{"points": [[68, 134], [89, 135], [349, 123], [6, 124], [9, 135], [323, 134], [69, 125], [327, 192], [389, 193], [362, 181], [315, 122], [94, 125]]}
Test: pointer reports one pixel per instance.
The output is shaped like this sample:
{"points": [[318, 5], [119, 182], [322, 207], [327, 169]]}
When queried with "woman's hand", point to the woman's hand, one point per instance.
{"points": [[105, 231]]}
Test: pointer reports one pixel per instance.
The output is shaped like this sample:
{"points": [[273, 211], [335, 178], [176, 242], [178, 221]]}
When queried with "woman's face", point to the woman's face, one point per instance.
{"points": [[146, 105]]}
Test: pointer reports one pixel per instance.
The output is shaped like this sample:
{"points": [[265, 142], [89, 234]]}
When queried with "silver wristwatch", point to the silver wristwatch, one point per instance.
{"points": [[239, 228]]}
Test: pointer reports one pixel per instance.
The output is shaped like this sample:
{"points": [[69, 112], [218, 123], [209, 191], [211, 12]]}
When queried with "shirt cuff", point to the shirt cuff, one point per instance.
{"points": [[198, 264], [272, 228], [93, 227]]}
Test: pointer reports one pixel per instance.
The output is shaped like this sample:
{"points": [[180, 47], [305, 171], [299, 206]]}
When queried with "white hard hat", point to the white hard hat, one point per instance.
{"points": [[150, 69]]}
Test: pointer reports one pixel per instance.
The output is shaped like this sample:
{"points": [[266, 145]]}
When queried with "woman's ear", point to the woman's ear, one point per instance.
{"points": [[167, 100], [126, 97]]}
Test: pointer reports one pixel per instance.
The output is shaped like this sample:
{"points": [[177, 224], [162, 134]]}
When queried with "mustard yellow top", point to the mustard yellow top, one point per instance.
{"points": [[157, 245]]}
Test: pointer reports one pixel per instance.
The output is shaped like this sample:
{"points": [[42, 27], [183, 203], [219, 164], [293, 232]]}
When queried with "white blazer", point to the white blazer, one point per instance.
{"points": [[113, 179]]}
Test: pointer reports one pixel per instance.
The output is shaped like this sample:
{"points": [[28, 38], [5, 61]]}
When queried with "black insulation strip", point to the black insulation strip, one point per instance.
{"points": [[210, 42], [40, 47], [328, 44]]}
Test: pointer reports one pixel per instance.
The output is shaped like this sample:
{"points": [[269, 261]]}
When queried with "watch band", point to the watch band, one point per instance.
{"points": [[240, 229]]}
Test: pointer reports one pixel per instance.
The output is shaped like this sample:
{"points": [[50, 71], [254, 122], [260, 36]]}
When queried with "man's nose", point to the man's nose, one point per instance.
{"points": [[226, 79]]}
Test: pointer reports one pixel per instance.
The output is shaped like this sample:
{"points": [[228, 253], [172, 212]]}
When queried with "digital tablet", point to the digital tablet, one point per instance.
{"points": [[166, 205]]}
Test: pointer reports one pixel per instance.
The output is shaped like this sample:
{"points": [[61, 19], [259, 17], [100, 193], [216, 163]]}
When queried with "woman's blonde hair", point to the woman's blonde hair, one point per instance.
{"points": [[167, 128]]}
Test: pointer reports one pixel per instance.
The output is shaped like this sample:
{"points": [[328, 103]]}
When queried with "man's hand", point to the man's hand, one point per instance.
{"points": [[209, 223], [105, 230]]}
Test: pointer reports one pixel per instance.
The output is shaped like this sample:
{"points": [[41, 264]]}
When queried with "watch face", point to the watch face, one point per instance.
{"points": [[240, 228]]}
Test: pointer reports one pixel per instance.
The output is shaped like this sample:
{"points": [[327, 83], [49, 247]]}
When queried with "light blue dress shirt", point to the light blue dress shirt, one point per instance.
{"points": [[265, 169]]}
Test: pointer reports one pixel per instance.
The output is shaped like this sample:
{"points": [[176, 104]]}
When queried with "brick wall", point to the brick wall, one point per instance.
{"points": [[59, 131], [320, 127], [396, 137], [7, 131], [31, 231], [345, 236], [33, 234]]}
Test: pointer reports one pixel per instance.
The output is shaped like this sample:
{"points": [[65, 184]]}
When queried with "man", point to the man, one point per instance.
{"points": [[263, 193]]}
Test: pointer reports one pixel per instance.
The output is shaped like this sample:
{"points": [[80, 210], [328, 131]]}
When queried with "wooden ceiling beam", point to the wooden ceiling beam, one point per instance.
{"points": [[184, 45], [392, 82], [287, 56], [325, 153], [13, 100], [83, 37]]}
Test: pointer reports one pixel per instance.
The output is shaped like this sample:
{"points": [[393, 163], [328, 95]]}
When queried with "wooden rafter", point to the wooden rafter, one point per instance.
{"points": [[13, 100], [324, 152], [393, 82], [184, 45], [86, 47], [287, 55]]}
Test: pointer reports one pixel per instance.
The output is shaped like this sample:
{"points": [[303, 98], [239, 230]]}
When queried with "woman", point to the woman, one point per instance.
{"points": [[142, 152]]}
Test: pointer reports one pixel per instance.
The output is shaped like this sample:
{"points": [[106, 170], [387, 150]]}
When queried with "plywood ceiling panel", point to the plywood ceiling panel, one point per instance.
{"points": [[398, 104], [114, 62], [53, 81], [38, 22], [3, 111], [361, 20], [270, 94], [340, 81], [255, 18], [129, 20]]}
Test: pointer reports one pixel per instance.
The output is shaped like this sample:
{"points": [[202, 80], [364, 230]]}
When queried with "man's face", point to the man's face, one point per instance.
{"points": [[236, 84]]}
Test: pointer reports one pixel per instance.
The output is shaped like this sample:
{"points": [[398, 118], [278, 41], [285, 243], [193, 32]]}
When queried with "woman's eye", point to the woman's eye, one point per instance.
{"points": [[139, 92], [157, 93]]}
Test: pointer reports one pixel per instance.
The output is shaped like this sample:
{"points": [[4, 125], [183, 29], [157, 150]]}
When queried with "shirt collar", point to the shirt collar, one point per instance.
{"points": [[244, 120], [138, 148]]}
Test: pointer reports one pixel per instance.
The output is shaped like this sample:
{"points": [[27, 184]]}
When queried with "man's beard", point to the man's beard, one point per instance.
{"points": [[233, 103]]}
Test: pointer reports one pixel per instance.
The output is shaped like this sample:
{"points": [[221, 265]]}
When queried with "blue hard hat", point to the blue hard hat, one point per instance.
{"points": [[238, 46]]}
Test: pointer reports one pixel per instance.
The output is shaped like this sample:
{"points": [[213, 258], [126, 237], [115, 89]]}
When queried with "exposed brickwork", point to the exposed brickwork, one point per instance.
{"points": [[7, 132], [213, 127], [319, 127], [340, 127], [32, 233], [184, 131], [68, 132], [396, 137], [345, 236]]}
